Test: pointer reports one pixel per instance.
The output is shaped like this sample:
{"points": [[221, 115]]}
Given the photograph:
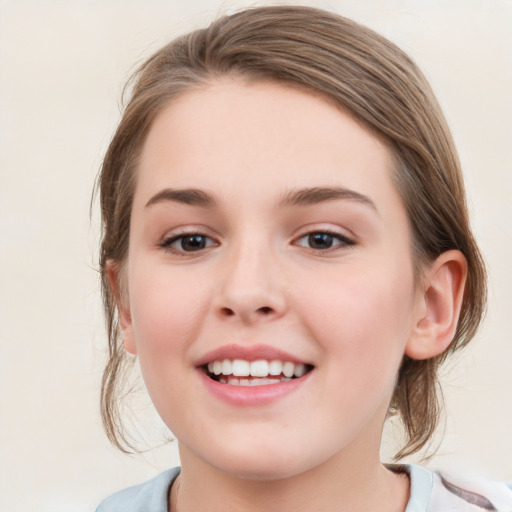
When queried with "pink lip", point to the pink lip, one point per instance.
{"points": [[250, 395], [246, 396], [249, 353]]}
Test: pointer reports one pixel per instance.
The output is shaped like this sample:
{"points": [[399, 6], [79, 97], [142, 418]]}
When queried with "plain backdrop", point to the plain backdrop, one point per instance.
{"points": [[62, 68]]}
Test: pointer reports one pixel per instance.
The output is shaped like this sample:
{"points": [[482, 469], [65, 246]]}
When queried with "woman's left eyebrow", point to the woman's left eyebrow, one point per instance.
{"points": [[191, 196], [315, 195]]}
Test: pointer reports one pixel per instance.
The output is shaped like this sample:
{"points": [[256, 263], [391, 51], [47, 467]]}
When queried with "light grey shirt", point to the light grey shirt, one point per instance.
{"points": [[430, 492]]}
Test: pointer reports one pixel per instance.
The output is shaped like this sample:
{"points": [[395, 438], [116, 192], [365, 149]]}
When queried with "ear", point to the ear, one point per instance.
{"points": [[438, 306], [119, 290]]}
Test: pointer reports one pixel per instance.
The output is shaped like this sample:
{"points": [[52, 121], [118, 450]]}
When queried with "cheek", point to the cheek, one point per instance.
{"points": [[166, 309], [167, 314], [361, 319]]}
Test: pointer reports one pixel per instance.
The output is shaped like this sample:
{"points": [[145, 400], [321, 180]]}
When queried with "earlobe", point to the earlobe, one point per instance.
{"points": [[119, 290], [438, 307]]}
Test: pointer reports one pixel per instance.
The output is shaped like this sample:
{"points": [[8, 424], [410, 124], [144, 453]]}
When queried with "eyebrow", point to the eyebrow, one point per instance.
{"points": [[189, 196], [296, 197], [316, 195]]}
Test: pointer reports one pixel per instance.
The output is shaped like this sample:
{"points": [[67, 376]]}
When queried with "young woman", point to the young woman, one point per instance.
{"points": [[287, 251]]}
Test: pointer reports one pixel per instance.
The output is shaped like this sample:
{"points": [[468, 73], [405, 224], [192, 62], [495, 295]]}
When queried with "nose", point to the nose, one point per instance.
{"points": [[251, 287]]}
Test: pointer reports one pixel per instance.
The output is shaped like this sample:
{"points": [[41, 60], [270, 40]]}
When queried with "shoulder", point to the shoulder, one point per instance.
{"points": [[439, 492], [150, 496], [474, 493]]}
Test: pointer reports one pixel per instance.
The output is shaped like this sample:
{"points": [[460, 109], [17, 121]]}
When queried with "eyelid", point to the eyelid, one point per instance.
{"points": [[189, 229], [345, 241], [176, 234]]}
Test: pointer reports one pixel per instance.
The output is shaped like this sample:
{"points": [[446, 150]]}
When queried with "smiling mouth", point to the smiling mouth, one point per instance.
{"points": [[262, 372]]}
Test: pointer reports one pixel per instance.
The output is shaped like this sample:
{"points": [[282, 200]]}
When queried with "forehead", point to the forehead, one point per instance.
{"points": [[252, 136]]}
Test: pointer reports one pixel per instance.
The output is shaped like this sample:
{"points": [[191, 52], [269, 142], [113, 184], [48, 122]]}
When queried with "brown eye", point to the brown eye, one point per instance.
{"points": [[323, 240], [193, 242], [320, 240]]}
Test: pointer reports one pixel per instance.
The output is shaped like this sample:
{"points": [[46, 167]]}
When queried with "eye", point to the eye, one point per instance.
{"points": [[190, 242], [323, 240]]}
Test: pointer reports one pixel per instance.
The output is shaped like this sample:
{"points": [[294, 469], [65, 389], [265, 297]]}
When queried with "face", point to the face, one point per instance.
{"points": [[269, 289]]}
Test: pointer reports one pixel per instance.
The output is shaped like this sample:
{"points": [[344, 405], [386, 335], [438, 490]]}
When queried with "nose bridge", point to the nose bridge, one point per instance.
{"points": [[250, 287]]}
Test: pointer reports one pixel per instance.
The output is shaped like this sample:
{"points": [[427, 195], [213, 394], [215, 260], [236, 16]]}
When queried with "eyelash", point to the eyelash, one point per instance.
{"points": [[343, 241], [168, 243]]}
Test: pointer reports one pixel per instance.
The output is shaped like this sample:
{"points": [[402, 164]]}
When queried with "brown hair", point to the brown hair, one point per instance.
{"points": [[365, 74]]}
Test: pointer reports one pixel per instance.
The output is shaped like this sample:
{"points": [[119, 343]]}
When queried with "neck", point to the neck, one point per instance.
{"points": [[339, 485]]}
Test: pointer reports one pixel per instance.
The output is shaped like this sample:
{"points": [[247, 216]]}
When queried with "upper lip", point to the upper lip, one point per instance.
{"points": [[248, 353]]}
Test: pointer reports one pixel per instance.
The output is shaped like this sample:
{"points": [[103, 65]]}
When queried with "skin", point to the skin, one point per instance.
{"points": [[351, 310]]}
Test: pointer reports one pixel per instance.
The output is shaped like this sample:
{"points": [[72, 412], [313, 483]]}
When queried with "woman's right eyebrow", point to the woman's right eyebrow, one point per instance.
{"points": [[189, 196]]}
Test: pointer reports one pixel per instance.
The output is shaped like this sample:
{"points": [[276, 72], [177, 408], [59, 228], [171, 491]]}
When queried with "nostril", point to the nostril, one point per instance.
{"points": [[263, 311]]}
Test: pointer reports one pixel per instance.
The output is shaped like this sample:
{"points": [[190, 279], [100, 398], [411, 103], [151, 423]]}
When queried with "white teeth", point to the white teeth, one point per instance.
{"points": [[240, 368], [259, 368], [227, 367], [275, 368], [288, 369], [234, 381], [261, 382], [300, 370]]}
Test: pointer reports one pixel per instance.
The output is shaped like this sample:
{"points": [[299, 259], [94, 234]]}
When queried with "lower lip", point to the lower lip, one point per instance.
{"points": [[245, 396]]}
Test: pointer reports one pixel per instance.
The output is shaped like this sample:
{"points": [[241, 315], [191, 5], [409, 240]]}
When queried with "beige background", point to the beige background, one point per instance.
{"points": [[62, 67]]}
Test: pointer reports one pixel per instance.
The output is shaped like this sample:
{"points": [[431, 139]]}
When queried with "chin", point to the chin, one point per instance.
{"points": [[263, 462], [260, 471]]}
